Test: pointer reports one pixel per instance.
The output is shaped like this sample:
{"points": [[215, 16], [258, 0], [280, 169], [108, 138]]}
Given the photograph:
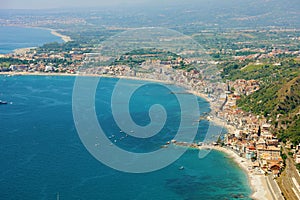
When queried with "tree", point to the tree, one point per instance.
{"points": [[259, 131], [298, 166]]}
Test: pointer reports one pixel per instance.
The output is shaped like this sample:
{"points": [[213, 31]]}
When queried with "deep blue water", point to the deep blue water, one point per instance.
{"points": [[42, 155], [12, 38]]}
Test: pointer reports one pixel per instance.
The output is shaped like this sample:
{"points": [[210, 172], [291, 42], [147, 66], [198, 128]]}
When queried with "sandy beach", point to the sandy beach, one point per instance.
{"points": [[87, 75], [23, 50], [256, 180], [63, 37]]}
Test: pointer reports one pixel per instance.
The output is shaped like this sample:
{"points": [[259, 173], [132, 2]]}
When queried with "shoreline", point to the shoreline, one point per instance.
{"points": [[65, 38], [85, 75], [54, 32], [23, 50], [257, 182]]}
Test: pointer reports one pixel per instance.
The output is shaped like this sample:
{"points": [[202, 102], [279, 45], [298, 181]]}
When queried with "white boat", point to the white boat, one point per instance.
{"points": [[3, 102]]}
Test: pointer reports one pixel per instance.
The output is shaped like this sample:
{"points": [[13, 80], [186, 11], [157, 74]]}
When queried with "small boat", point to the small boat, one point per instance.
{"points": [[3, 102], [181, 168]]}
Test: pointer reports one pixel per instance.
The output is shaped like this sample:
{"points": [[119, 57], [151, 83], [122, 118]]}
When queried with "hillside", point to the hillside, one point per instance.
{"points": [[289, 97], [279, 96], [289, 105]]}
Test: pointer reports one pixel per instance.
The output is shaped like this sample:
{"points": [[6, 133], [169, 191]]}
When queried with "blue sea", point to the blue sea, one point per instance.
{"points": [[42, 156], [12, 38]]}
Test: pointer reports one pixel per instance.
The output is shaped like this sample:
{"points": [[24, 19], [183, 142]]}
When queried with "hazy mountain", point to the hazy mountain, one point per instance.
{"points": [[184, 15], [214, 13]]}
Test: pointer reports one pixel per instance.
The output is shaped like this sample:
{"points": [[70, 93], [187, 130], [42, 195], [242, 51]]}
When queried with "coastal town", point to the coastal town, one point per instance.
{"points": [[249, 136], [240, 60]]}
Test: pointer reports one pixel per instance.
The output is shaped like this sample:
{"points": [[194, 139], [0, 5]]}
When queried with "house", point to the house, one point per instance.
{"points": [[266, 127], [19, 68], [49, 68], [298, 147], [250, 152], [275, 169], [297, 157]]}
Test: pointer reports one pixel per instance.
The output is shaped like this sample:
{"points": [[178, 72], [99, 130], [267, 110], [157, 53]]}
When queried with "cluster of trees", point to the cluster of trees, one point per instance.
{"points": [[135, 58], [11, 61], [60, 47], [5, 63]]}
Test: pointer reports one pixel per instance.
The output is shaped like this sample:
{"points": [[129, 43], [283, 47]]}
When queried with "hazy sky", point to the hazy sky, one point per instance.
{"points": [[41, 4]]}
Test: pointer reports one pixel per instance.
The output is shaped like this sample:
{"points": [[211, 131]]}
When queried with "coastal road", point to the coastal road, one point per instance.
{"points": [[288, 178]]}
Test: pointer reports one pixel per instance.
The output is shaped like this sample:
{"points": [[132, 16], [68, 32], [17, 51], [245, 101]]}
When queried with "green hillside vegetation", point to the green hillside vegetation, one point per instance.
{"points": [[292, 132], [279, 96], [273, 99], [289, 106], [266, 72], [289, 97]]}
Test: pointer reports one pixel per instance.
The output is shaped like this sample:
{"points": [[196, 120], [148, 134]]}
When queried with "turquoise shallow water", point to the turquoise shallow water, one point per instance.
{"points": [[12, 38], [42, 155]]}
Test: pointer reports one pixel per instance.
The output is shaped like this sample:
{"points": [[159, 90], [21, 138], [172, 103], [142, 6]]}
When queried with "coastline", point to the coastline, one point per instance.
{"points": [[54, 32], [86, 75], [23, 50], [257, 182], [65, 38]]}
